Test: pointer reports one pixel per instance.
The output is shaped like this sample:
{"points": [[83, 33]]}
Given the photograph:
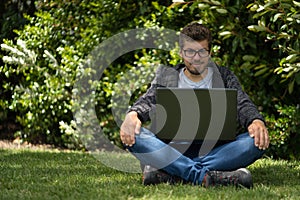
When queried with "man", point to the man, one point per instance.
{"points": [[224, 164]]}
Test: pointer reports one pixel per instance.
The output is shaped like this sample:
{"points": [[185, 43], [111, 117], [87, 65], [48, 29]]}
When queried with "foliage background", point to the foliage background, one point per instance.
{"points": [[43, 54]]}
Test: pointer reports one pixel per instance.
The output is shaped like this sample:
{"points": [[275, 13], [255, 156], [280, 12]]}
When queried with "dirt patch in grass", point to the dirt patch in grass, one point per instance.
{"points": [[17, 144]]}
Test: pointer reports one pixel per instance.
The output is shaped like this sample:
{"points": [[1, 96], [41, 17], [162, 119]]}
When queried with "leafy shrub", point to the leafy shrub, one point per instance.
{"points": [[47, 59], [11, 18], [284, 132], [40, 100]]}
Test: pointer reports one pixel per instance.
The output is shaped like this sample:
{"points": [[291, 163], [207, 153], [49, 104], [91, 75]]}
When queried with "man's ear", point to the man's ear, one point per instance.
{"points": [[180, 53]]}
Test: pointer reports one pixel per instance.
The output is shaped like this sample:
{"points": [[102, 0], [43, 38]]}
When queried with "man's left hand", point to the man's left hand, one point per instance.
{"points": [[258, 130]]}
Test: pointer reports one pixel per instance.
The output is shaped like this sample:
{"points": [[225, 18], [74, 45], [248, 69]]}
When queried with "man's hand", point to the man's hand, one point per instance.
{"points": [[129, 128], [258, 130]]}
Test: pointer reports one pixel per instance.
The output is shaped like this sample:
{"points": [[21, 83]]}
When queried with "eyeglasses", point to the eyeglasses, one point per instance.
{"points": [[190, 53]]}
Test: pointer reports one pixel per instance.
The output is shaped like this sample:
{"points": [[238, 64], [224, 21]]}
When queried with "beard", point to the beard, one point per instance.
{"points": [[195, 71]]}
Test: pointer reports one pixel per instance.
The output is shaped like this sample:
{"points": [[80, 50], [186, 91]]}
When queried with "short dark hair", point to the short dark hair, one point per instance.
{"points": [[195, 32]]}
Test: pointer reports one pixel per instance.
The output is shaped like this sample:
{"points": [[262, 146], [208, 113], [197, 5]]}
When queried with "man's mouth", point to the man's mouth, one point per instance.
{"points": [[197, 64]]}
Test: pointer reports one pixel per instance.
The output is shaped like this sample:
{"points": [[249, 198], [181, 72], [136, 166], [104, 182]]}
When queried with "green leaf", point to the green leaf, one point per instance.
{"points": [[233, 10], [282, 61], [235, 43], [157, 6], [259, 14], [217, 3], [270, 3], [253, 7], [222, 11], [291, 87], [272, 80], [260, 66], [257, 28], [242, 45], [246, 65], [296, 3], [297, 78], [224, 33], [261, 71], [203, 6], [292, 57], [250, 58], [278, 70], [276, 16]]}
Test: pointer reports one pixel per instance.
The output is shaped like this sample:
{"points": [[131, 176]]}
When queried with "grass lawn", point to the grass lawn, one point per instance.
{"points": [[28, 174]]}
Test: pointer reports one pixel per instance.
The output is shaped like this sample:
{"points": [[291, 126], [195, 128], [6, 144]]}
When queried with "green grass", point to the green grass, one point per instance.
{"points": [[27, 174]]}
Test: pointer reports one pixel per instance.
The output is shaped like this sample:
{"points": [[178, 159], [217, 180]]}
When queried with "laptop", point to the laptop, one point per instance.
{"points": [[186, 114]]}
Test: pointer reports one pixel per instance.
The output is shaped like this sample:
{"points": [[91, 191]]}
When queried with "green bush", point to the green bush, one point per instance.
{"points": [[50, 55], [11, 18], [284, 132], [45, 59]]}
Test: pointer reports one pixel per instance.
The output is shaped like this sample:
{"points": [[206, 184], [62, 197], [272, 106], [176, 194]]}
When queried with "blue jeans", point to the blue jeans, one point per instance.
{"points": [[230, 156]]}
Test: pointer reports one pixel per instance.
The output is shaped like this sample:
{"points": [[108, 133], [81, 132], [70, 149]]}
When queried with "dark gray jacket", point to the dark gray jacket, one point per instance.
{"points": [[222, 78]]}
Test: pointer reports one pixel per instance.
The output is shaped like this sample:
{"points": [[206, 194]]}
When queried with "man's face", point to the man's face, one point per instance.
{"points": [[195, 55]]}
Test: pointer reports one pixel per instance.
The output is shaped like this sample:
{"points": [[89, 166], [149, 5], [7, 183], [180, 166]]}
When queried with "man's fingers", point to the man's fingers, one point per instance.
{"points": [[262, 139], [266, 139], [137, 128], [127, 137], [257, 139], [127, 132], [251, 131]]}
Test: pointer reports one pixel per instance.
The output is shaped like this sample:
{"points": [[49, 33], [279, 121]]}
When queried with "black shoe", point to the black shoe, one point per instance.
{"points": [[153, 176], [240, 178]]}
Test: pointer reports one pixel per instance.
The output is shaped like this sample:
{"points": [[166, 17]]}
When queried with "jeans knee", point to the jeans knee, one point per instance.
{"points": [[248, 145], [143, 134], [145, 141]]}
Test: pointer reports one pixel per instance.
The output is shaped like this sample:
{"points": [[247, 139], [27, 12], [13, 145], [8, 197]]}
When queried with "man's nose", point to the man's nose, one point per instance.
{"points": [[197, 56]]}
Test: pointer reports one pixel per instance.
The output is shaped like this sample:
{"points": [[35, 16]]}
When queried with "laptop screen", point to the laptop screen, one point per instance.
{"points": [[185, 114]]}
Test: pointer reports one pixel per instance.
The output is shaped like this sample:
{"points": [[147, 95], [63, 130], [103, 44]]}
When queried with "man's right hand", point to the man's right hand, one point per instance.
{"points": [[130, 126]]}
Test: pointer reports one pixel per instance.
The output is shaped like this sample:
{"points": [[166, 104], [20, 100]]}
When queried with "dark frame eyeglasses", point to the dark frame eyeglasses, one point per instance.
{"points": [[190, 53]]}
